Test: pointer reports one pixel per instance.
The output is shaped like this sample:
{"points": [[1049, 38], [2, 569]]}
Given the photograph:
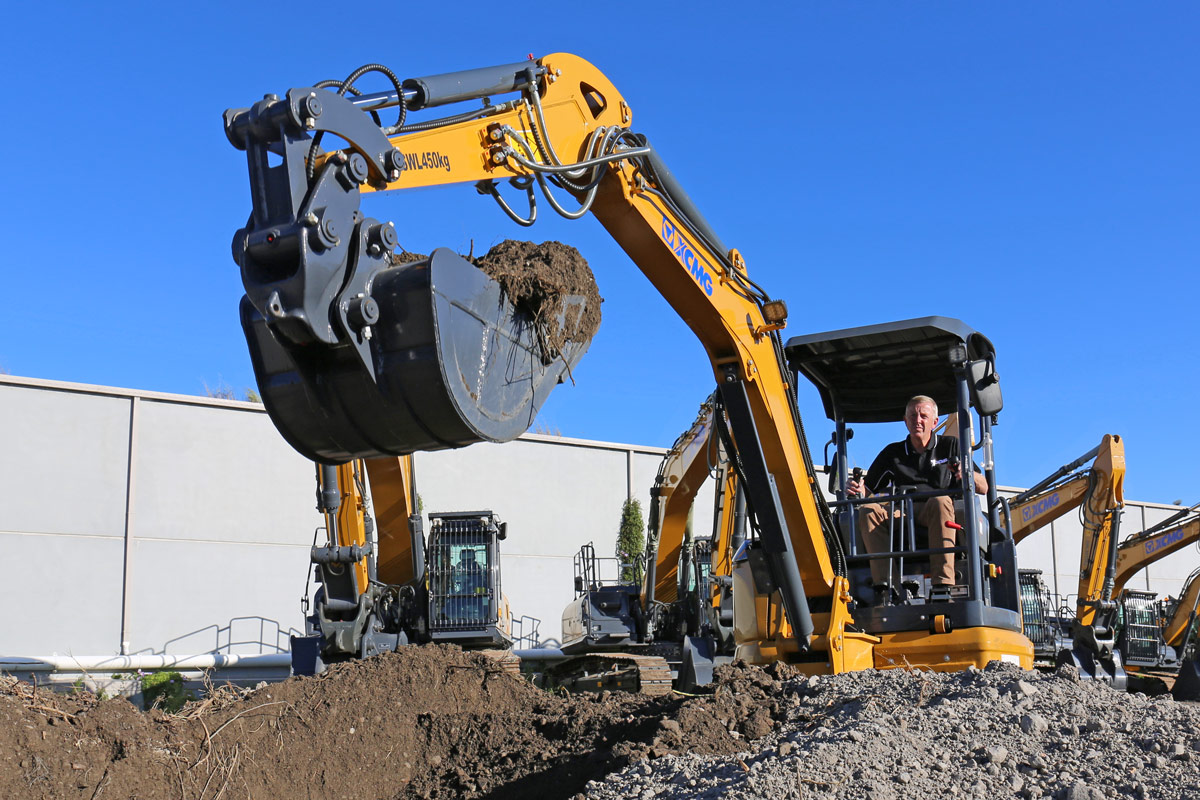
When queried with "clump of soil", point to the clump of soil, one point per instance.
{"points": [[539, 280], [422, 722]]}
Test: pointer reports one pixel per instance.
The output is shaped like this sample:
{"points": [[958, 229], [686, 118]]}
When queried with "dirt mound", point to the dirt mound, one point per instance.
{"points": [[422, 722], [434, 722]]}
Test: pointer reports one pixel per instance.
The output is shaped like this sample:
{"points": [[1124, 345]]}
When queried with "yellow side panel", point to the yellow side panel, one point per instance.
{"points": [[954, 651]]}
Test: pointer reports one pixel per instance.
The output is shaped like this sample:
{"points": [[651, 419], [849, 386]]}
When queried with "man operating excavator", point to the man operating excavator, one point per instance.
{"points": [[922, 462]]}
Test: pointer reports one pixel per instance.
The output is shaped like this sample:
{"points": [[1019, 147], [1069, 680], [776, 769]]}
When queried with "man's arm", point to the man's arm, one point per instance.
{"points": [[981, 485]]}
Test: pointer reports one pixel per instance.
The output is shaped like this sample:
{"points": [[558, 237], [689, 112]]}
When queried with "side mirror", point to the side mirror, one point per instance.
{"points": [[984, 384], [579, 584]]}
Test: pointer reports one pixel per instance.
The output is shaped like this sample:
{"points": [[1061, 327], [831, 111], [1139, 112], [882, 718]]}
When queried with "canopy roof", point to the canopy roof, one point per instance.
{"points": [[868, 374]]}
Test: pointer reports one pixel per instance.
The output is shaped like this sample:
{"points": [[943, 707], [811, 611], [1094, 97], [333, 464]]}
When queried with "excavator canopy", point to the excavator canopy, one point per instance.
{"points": [[868, 374]]}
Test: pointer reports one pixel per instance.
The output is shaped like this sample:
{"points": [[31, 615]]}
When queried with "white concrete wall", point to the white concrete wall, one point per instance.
{"points": [[148, 523]]}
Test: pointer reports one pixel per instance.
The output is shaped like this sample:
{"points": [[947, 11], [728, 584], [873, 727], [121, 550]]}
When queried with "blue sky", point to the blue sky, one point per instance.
{"points": [[1028, 167]]}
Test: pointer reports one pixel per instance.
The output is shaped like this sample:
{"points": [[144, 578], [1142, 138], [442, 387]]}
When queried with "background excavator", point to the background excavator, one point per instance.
{"points": [[357, 356], [1156, 636], [1147, 635], [1087, 640], [381, 585], [666, 611]]}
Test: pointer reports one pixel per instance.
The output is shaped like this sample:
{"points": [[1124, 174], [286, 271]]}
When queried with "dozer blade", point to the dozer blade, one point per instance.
{"points": [[449, 362]]}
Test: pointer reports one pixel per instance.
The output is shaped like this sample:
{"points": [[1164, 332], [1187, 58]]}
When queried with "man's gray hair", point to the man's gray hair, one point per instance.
{"points": [[921, 400]]}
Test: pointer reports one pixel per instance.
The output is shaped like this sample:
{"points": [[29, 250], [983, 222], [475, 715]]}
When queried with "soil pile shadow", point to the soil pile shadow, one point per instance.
{"points": [[422, 722]]}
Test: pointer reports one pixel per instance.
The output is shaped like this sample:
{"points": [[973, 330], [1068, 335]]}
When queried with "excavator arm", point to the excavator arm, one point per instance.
{"points": [[1140, 550], [682, 472], [1100, 512], [1183, 618], [1094, 629], [1062, 491], [324, 301], [357, 561]]}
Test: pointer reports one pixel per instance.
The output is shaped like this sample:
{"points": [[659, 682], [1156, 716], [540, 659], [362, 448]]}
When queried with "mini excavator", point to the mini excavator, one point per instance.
{"points": [[1094, 484], [1098, 493], [1148, 638], [867, 375], [1156, 637], [382, 585], [358, 356], [676, 610]]}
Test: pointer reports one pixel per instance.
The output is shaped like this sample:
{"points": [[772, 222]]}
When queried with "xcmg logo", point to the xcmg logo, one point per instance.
{"points": [[1039, 508], [687, 256], [1164, 540]]}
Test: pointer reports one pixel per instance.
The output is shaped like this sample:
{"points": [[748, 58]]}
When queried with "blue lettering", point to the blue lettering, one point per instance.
{"points": [[1039, 508], [1165, 540], [687, 256]]}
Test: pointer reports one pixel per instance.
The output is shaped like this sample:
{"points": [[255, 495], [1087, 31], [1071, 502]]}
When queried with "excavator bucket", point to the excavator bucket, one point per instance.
{"points": [[1187, 683], [446, 361]]}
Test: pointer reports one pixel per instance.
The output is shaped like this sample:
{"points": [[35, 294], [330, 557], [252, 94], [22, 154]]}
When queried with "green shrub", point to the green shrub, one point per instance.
{"points": [[165, 689], [631, 540]]}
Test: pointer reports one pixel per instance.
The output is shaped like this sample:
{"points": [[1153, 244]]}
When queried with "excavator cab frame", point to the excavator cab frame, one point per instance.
{"points": [[466, 600], [868, 375]]}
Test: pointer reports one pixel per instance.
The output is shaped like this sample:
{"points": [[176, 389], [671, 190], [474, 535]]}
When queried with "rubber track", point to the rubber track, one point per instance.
{"points": [[597, 672]]}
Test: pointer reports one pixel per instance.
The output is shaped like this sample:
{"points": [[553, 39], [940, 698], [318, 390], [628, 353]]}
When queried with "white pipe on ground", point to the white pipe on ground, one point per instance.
{"points": [[131, 663]]}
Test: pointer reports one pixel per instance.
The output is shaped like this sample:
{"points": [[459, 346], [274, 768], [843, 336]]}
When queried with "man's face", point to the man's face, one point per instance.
{"points": [[920, 421]]}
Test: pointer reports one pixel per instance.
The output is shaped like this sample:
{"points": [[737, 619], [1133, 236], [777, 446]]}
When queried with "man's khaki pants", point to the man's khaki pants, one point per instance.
{"points": [[934, 513]]}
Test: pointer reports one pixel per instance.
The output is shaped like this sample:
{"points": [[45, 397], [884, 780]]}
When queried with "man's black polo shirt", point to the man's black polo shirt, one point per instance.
{"points": [[901, 465]]}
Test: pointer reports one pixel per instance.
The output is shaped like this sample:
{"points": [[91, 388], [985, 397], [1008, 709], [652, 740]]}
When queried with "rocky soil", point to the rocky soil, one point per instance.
{"points": [[437, 722], [999, 732]]}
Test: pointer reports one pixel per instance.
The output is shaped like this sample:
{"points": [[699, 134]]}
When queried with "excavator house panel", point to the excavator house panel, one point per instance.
{"points": [[451, 362], [953, 651]]}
